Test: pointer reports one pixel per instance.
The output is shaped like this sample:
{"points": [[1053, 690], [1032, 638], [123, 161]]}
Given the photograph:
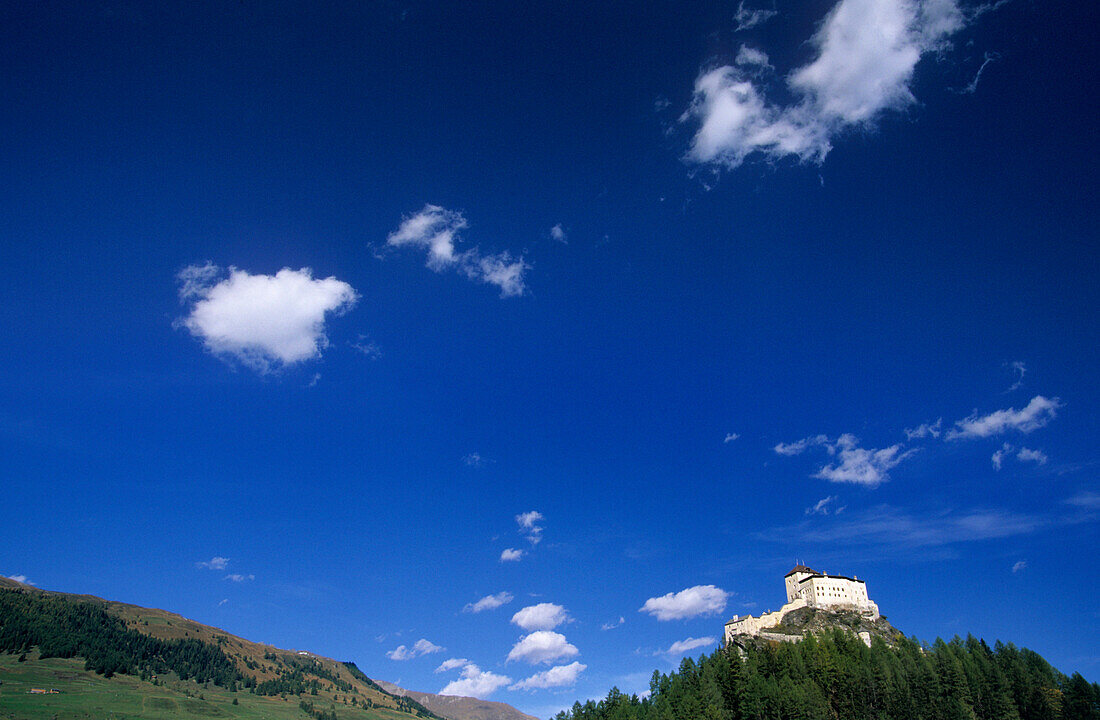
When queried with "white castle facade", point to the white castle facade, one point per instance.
{"points": [[808, 588]]}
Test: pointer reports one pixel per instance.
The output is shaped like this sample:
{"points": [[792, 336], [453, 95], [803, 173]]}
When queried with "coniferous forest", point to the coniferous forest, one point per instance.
{"points": [[835, 676], [65, 628]]}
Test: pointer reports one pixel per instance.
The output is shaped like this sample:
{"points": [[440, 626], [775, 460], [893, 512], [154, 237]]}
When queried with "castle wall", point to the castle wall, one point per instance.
{"points": [[749, 625]]}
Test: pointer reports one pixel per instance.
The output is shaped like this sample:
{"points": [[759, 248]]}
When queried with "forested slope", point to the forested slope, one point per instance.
{"points": [[835, 676]]}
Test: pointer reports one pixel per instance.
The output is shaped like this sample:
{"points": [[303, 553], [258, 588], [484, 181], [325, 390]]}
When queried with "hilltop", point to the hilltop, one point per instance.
{"points": [[130, 661]]}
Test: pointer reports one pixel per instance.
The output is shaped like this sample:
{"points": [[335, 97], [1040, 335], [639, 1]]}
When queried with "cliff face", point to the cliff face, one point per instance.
{"points": [[800, 622]]}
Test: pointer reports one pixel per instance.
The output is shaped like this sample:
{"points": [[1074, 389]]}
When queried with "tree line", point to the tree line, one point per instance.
{"points": [[836, 676]]}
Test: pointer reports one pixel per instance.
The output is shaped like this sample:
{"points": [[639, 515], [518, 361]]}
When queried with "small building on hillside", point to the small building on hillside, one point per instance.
{"points": [[807, 587]]}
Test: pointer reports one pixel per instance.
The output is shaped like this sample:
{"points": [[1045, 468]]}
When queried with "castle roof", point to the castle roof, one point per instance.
{"points": [[803, 569]]}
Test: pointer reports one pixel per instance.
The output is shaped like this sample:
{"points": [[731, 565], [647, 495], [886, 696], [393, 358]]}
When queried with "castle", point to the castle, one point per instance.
{"points": [[809, 588]]}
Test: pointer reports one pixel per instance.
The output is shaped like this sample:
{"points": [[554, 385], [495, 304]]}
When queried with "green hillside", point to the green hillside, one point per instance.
{"points": [[111, 660]]}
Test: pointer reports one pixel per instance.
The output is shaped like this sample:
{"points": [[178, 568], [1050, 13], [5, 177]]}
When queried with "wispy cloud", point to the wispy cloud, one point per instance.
{"points": [[367, 347], [544, 616], [489, 602], [924, 430], [800, 446], [613, 625], [688, 603], [859, 465], [419, 648], [682, 646], [542, 646], [730, 437], [890, 526], [511, 555], [20, 579], [451, 664], [825, 506], [558, 676], [474, 460], [970, 89], [1036, 414], [262, 321], [1085, 500], [746, 18], [238, 578], [436, 230], [856, 465], [529, 527], [1019, 565], [866, 52], [1029, 455], [214, 563], [558, 233]]}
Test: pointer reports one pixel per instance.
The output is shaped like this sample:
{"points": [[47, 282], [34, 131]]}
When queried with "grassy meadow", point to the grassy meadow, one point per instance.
{"points": [[84, 695]]}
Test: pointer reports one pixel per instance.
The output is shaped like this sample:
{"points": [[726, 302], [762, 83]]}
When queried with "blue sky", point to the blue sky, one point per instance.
{"points": [[513, 350]]}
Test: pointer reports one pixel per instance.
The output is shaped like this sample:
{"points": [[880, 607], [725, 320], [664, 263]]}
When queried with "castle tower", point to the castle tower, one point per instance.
{"points": [[794, 577]]}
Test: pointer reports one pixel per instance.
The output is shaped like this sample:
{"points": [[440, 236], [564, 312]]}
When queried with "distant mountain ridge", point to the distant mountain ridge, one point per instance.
{"points": [[118, 639], [459, 708]]}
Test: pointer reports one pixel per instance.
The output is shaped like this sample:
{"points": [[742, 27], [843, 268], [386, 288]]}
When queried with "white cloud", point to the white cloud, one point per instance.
{"points": [[419, 648], [747, 18], [1035, 415], [474, 460], [1017, 367], [489, 602], [436, 230], [237, 577], [730, 437], [544, 616], [214, 563], [20, 579], [856, 465], [1029, 455], [748, 56], [800, 446], [451, 664], [528, 525], [557, 676], [558, 233], [511, 555], [688, 603], [542, 646], [998, 456], [425, 647], [475, 683], [924, 430], [861, 466], [866, 53], [501, 270], [1018, 566], [824, 506], [262, 321], [682, 646], [613, 625]]}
